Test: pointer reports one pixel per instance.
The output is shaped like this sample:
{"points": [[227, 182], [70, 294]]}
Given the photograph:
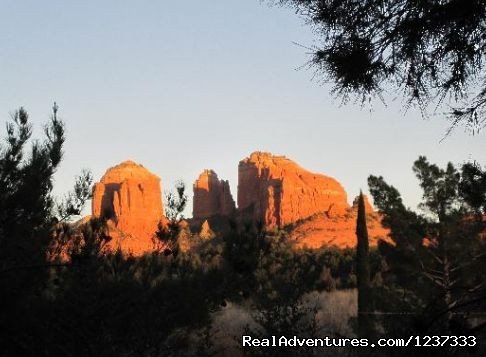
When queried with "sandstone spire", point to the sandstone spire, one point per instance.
{"points": [[206, 232], [130, 197], [212, 196]]}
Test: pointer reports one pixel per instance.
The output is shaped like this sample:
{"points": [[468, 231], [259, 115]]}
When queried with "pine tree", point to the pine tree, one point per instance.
{"points": [[437, 257], [426, 49], [29, 217]]}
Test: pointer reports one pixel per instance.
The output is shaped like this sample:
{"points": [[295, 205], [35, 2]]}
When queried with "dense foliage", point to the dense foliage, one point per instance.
{"points": [[64, 292], [29, 217], [436, 266]]}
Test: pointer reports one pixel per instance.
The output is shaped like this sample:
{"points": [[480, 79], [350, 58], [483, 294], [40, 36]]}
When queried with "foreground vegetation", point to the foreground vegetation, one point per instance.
{"points": [[64, 293]]}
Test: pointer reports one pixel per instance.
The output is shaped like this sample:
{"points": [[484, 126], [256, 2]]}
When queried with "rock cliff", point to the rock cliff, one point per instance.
{"points": [[276, 191], [130, 197], [212, 197], [322, 230], [272, 190]]}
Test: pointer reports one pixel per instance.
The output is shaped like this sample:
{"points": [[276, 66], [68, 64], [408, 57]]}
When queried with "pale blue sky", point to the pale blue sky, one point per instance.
{"points": [[180, 86]]}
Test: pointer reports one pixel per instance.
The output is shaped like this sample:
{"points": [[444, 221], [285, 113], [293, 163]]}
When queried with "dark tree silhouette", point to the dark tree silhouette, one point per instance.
{"points": [[29, 218], [168, 233], [437, 258], [28, 212], [365, 303], [432, 50]]}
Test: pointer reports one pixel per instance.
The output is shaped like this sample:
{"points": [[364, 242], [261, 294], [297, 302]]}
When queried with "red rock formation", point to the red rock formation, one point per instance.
{"points": [[212, 197], [130, 197], [206, 232], [322, 230], [276, 191]]}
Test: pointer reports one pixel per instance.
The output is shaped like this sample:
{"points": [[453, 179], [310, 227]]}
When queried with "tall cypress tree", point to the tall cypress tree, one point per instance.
{"points": [[365, 327]]}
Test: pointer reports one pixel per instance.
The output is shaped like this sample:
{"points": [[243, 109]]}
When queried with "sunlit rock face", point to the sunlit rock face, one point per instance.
{"points": [[212, 197], [206, 232], [130, 197], [340, 231], [275, 191]]}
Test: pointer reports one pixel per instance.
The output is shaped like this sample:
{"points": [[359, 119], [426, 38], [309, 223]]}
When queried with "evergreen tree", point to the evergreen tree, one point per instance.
{"points": [[29, 217], [365, 304], [437, 259], [168, 233]]}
